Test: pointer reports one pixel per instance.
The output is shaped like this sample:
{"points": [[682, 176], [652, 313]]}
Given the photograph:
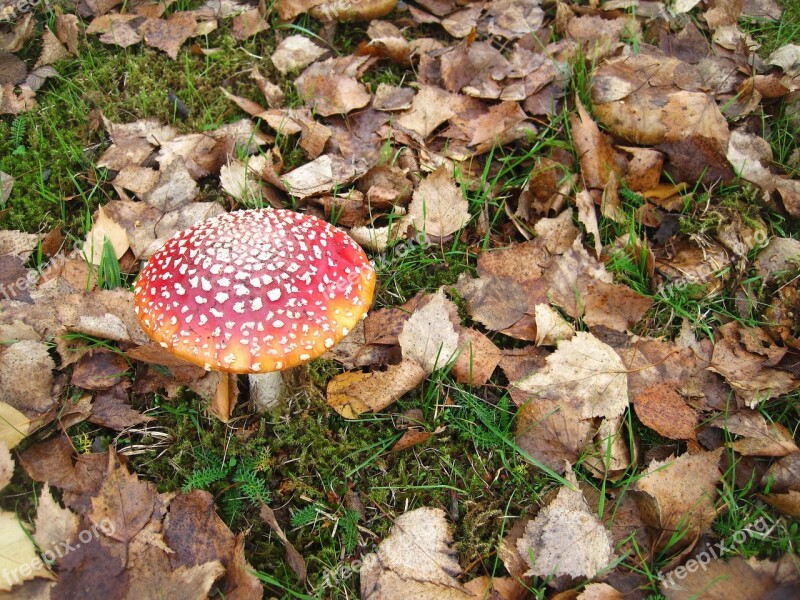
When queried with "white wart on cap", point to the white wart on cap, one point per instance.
{"points": [[254, 291]]}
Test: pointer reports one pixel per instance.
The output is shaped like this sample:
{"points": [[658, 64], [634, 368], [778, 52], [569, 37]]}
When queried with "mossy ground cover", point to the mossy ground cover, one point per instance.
{"points": [[307, 459]]}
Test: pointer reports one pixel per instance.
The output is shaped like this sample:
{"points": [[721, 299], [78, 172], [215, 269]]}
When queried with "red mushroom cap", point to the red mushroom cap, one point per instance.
{"points": [[254, 291]]}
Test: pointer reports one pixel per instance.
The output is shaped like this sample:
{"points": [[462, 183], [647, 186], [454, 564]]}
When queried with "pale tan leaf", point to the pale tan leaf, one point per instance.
{"points": [[53, 524], [14, 425], [438, 207], [416, 560], [6, 464], [429, 337], [104, 228], [585, 372], [551, 327], [18, 555], [566, 538], [295, 52]]}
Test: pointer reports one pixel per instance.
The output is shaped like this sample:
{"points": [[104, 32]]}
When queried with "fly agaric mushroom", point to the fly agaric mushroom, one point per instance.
{"points": [[254, 291]]}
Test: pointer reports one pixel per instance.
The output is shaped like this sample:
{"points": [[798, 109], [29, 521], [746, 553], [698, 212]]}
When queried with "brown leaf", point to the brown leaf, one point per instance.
{"points": [[330, 87], [745, 372], [430, 108], [98, 370], [411, 437], [587, 214], [784, 474], [552, 432], [111, 408], [736, 578], [684, 491], [496, 302], [52, 49], [598, 159], [391, 98], [67, 32], [477, 359], [293, 557], [123, 502], [249, 23], [758, 437], [26, 377], [353, 393], [662, 409]]}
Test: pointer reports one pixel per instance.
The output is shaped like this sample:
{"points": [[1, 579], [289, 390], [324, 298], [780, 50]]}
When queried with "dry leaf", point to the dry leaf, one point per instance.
{"points": [[294, 53], [438, 207], [551, 327], [585, 372], [14, 425], [353, 393], [330, 87], [416, 560], [429, 337], [104, 228], [553, 433], [684, 493], [293, 557], [6, 464], [19, 560], [26, 377], [662, 409], [53, 525], [566, 539]]}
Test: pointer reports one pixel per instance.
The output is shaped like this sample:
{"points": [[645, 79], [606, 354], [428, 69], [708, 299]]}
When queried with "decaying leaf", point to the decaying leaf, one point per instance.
{"points": [[416, 560], [14, 425], [584, 372], [6, 464], [566, 539], [429, 337], [353, 393], [439, 208], [683, 490]]}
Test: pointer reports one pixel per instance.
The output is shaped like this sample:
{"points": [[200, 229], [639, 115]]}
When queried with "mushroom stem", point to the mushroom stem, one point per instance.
{"points": [[266, 390]]}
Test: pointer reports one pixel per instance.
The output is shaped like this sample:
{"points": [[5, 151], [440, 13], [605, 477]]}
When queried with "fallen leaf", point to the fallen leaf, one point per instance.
{"points": [[14, 425], [6, 464], [293, 557], [553, 433], [330, 87], [598, 159], [353, 393], [684, 492], [438, 207], [19, 560], [26, 377], [736, 578], [104, 228], [53, 525], [169, 34], [588, 548], [585, 373], [477, 358], [123, 502], [295, 52], [319, 176], [416, 560], [662, 409], [784, 474], [551, 327], [6, 186], [429, 337]]}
